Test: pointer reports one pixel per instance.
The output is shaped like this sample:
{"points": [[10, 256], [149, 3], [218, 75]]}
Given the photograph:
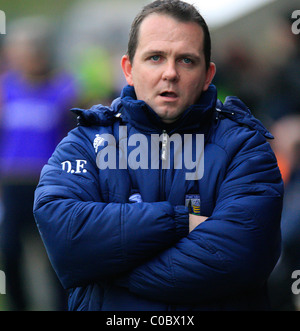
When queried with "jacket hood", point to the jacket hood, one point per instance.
{"points": [[139, 114], [147, 120], [238, 112], [97, 115]]}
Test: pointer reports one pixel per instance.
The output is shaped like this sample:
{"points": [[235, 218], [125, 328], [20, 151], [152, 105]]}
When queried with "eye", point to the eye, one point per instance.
{"points": [[187, 60], [155, 58]]}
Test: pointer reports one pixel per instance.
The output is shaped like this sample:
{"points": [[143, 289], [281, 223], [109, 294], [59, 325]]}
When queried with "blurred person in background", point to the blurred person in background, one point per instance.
{"points": [[281, 108], [282, 91], [287, 132], [240, 73], [287, 150], [35, 97]]}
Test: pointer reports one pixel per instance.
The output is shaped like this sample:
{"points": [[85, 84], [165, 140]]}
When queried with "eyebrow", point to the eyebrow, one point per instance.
{"points": [[182, 55]]}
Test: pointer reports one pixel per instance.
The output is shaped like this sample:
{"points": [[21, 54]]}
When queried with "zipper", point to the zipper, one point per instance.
{"points": [[224, 111], [164, 158], [164, 147]]}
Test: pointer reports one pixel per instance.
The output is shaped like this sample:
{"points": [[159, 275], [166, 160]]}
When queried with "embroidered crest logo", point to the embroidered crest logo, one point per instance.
{"points": [[193, 202], [97, 142]]}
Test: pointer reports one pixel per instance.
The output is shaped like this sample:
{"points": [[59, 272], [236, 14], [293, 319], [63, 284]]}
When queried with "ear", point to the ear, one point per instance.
{"points": [[127, 69], [210, 74]]}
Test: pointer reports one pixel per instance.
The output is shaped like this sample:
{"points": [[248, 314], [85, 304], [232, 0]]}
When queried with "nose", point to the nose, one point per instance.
{"points": [[170, 72]]}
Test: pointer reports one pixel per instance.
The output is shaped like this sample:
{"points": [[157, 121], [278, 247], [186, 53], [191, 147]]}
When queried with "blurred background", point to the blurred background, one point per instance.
{"points": [[65, 53]]}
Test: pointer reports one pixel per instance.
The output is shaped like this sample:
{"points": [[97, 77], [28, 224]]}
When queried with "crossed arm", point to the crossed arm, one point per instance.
{"points": [[89, 240]]}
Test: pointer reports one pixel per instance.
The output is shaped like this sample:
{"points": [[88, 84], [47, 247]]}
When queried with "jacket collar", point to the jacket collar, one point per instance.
{"points": [[141, 116]]}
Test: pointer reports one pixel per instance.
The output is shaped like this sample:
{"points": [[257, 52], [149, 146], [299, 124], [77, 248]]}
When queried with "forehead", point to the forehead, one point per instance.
{"points": [[158, 30]]}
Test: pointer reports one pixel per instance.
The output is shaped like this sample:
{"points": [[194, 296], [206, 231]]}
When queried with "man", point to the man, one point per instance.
{"points": [[126, 229]]}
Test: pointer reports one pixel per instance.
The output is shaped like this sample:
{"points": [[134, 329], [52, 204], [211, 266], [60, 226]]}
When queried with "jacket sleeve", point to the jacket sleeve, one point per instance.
{"points": [[235, 249], [87, 239]]}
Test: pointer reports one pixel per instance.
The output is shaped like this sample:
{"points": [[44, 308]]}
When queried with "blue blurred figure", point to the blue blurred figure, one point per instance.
{"points": [[34, 101]]}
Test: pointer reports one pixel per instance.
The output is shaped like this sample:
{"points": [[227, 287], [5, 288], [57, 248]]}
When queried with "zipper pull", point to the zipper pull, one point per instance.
{"points": [[164, 145]]}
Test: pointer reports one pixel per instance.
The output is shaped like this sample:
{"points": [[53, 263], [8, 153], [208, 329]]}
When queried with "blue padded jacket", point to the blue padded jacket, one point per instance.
{"points": [[115, 254]]}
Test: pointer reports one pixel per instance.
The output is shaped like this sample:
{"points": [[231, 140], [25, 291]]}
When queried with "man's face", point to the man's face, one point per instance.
{"points": [[168, 71]]}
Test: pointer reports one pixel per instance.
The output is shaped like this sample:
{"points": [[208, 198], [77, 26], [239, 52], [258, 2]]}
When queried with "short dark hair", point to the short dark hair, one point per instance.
{"points": [[177, 9]]}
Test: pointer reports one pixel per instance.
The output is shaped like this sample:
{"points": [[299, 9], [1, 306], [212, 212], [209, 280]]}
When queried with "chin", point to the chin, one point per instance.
{"points": [[167, 115], [169, 120]]}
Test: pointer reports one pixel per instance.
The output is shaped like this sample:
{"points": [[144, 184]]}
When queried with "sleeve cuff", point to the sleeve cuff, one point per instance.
{"points": [[182, 221]]}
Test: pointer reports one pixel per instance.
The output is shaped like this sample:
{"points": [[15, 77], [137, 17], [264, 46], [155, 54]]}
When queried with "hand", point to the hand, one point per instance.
{"points": [[195, 220]]}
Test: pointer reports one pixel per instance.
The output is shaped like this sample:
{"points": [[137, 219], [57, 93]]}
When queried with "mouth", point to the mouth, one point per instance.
{"points": [[169, 95]]}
